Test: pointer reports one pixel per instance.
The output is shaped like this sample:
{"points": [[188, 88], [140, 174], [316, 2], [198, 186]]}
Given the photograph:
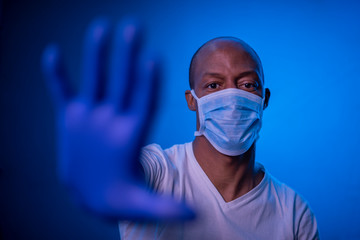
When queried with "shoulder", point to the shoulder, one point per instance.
{"points": [[295, 208], [173, 154], [281, 189], [291, 200], [287, 194], [163, 165]]}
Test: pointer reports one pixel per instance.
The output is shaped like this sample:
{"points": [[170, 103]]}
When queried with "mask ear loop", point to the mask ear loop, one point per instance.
{"points": [[200, 132]]}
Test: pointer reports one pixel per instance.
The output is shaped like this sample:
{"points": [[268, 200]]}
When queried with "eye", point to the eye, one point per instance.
{"points": [[213, 85], [250, 86]]}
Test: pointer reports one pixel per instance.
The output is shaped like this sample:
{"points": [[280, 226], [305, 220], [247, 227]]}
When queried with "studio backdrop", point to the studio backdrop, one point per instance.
{"points": [[310, 137]]}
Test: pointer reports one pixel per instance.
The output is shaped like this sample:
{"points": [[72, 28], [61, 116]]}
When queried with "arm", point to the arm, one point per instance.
{"points": [[102, 127]]}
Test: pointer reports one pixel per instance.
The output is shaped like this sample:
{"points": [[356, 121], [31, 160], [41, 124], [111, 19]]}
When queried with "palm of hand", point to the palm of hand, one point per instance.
{"points": [[91, 136]]}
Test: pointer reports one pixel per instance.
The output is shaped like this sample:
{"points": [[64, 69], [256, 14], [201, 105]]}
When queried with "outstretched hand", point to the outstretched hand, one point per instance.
{"points": [[102, 127]]}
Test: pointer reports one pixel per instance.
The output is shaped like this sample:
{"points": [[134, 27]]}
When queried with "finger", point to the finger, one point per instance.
{"points": [[124, 55], [146, 88], [94, 56], [55, 75]]}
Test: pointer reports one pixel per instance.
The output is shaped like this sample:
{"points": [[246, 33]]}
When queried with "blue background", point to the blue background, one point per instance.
{"points": [[310, 137]]}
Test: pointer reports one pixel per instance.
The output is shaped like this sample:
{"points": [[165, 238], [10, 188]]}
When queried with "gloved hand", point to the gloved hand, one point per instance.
{"points": [[102, 127]]}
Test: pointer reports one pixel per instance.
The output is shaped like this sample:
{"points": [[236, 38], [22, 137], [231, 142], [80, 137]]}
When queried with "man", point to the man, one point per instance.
{"points": [[233, 196]]}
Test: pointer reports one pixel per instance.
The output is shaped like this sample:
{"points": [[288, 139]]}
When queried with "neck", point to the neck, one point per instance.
{"points": [[233, 176]]}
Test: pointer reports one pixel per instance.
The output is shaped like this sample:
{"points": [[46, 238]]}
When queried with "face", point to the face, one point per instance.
{"points": [[229, 65], [226, 64]]}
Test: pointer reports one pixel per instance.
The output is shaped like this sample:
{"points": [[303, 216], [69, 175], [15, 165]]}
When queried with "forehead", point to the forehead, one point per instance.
{"points": [[226, 55]]}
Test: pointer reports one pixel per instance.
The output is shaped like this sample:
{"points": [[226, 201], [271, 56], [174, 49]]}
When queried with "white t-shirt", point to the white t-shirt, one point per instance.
{"points": [[271, 210]]}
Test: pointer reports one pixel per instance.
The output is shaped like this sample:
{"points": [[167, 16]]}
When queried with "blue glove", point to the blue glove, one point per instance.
{"points": [[101, 128]]}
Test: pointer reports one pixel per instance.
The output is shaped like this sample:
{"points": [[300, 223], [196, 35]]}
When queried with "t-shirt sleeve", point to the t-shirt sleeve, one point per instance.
{"points": [[307, 228], [158, 168]]}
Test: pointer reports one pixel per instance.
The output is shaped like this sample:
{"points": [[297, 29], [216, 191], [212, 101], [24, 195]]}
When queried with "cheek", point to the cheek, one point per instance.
{"points": [[261, 91], [195, 107], [197, 120]]}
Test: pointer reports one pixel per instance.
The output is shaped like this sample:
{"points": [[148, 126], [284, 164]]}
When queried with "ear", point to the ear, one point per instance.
{"points": [[191, 101], [267, 97]]}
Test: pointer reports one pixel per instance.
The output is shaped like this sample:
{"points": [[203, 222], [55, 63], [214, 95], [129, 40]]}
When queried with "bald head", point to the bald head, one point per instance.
{"points": [[219, 44]]}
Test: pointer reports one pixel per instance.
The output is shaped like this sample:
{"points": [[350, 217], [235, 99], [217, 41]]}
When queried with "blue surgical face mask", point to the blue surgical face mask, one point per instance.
{"points": [[230, 119]]}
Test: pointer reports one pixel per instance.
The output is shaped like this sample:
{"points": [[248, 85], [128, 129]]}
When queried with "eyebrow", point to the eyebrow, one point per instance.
{"points": [[247, 73], [216, 75], [241, 75]]}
